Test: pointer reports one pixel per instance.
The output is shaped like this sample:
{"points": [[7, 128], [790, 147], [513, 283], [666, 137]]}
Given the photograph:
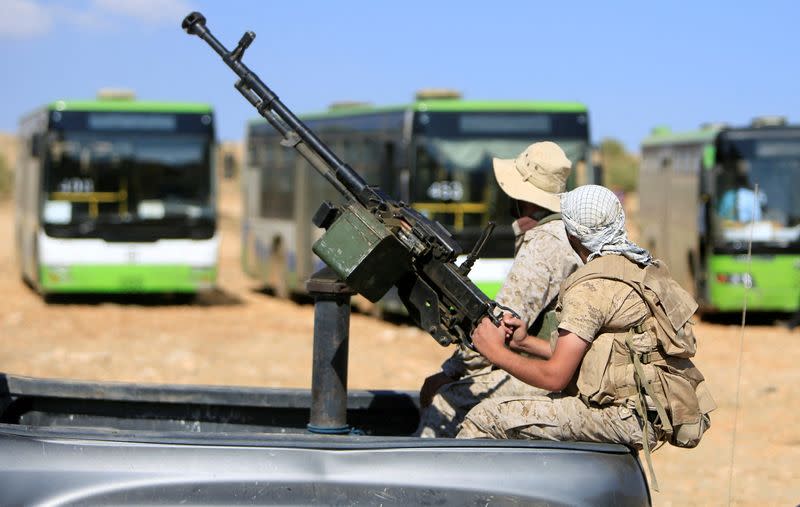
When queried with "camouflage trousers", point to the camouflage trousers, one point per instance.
{"points": [[555, 416], [452, 402]]}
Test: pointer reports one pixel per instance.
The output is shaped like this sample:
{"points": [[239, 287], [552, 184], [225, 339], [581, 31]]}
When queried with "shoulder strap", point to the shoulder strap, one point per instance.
{"points": [[678, 305], [621, 269], [549, 218], [613, 267]]}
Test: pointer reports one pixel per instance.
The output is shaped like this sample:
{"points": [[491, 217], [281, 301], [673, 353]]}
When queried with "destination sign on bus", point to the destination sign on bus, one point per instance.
{"points": [[114, 121], [492, 124], [124, 121], [778, 149], [504, 123]]}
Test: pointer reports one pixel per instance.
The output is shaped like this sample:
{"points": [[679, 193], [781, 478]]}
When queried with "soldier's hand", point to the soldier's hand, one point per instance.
{"points": [[487, 337], [518, 330], [431, 386]]}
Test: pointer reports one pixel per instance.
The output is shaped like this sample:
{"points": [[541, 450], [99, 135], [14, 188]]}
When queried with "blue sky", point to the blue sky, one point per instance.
{"points": [[635, 65]]}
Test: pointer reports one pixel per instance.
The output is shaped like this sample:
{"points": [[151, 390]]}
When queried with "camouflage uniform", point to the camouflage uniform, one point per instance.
{"points": [[543, 261], [587, 309]]}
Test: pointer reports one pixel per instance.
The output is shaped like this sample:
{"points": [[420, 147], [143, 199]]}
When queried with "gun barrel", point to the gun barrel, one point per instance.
{"points": [[267, 103]]}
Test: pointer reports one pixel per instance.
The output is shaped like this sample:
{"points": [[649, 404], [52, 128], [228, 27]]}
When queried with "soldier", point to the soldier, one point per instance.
{"points": [[622, 356], [543, 260]]}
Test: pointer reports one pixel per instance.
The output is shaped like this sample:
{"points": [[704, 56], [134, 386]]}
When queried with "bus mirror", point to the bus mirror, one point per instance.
{"points": [[36, 145]]}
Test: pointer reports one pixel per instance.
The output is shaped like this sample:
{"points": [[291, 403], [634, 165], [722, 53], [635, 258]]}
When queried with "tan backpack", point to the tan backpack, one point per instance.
{"points": [[648, 364]]}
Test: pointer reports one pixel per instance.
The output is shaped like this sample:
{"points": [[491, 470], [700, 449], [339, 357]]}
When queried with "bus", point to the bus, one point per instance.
{"points": [[700, 212], [434, 153], [117, 195]]}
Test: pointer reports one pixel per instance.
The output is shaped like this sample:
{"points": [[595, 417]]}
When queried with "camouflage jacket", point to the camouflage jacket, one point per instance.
{"points": [[543, 261]]}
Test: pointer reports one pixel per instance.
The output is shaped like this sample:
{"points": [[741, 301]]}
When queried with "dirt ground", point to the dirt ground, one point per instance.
{"points": [[240, 336]]}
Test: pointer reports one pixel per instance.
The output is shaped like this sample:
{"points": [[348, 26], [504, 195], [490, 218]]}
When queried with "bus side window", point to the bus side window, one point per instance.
{"points": [[387, 167], [348, 156]]}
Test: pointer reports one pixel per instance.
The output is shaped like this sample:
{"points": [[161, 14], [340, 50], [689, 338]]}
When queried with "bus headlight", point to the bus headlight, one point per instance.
{"points": [[744, 279]]}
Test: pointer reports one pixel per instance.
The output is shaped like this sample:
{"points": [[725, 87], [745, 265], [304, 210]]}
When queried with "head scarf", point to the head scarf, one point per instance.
{"points": [[594, 216]]}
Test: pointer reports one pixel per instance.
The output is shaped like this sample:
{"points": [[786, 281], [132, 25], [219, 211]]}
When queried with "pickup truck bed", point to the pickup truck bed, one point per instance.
{"points": [[85, 443]]}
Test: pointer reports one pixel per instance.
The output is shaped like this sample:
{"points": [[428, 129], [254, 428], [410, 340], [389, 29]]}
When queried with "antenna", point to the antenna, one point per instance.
{"points": [[466, 266], [747, 284]]}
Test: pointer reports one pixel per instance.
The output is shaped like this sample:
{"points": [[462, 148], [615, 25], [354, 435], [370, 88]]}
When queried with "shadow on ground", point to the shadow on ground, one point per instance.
{"points": [[214, 297], [754, 319], [360, 307]]}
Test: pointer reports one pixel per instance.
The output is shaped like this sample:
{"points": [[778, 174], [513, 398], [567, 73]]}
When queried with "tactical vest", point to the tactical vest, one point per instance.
{"points": [[647, 366]]}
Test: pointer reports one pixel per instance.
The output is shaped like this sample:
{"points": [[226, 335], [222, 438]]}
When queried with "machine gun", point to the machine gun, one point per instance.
{"points": [[373, 242]]}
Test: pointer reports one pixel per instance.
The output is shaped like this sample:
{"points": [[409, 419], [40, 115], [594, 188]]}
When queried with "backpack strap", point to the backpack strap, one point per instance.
{"points": [[612, 267], [621, 269], [549, 218]]}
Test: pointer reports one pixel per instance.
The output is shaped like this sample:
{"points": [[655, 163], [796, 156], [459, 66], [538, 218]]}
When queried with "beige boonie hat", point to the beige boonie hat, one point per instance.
{"points": [[537, 175]]}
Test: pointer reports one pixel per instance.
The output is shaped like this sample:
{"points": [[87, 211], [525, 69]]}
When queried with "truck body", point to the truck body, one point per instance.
{"points": [[87, 443]]}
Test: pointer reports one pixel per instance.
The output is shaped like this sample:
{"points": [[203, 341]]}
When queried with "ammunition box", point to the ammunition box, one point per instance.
{"points": [[363, 252]]}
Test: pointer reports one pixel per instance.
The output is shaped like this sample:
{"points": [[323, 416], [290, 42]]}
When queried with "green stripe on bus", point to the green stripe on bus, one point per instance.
{"points": [[776, 282], [130, 106], [450, 105], [126, 278], [692, 137], [489, 288]]}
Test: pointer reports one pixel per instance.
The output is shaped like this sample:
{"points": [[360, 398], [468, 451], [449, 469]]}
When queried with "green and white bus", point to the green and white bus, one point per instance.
{"points": [[434, 153], [699, 212], [117, 195]]}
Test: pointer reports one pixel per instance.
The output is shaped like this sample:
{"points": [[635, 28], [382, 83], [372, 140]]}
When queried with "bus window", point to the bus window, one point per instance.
{"points": [[773, 164], [106, 176], [454, 182]]}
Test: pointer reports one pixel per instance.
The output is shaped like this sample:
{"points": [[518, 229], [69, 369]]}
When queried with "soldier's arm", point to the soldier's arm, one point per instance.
{"points": [[521, 341], [528, 288], [552, 374]]}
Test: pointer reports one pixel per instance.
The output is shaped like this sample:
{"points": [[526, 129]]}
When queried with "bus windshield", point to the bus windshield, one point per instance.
{"points": [[453, 179], [773, 216], [124, 178], [454, 182]]}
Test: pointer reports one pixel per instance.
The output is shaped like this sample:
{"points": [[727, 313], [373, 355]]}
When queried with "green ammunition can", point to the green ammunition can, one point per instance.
{"points": [[363, 252]]}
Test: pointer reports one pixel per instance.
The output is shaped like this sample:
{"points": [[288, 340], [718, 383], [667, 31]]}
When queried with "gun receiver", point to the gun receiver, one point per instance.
{"points": [[371, 241]]}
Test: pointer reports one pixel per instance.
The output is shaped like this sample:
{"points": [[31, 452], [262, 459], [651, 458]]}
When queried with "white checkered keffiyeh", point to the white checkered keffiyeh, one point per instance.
{"points": [[594, 216]]}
